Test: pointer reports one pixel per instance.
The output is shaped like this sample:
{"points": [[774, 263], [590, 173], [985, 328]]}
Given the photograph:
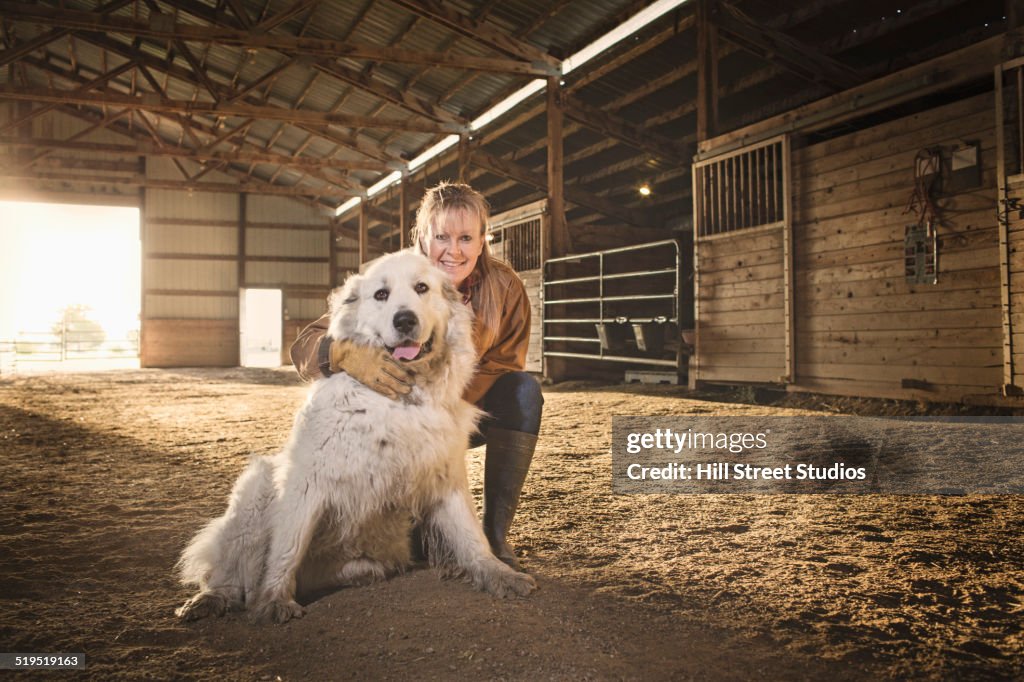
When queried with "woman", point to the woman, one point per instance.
{"points": [[450, 229]]}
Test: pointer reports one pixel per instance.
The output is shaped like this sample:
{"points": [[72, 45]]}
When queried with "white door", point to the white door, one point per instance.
{"points": [[261, 327]]}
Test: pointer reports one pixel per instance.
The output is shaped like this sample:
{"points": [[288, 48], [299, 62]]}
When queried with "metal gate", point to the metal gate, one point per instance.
{"points": [[618, 305]]}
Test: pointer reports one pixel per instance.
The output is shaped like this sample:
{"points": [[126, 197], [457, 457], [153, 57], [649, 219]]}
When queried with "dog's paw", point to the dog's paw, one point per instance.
{"points": [[280, 611], [505, 582], [202, 605]]}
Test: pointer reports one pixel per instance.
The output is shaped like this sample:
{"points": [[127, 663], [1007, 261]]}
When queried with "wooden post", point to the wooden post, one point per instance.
{"points": [[332, 254], [404, 226], [464, 157], [242, 220], [789, 286], [1002, 196], [707, 71], [1014, 14], [555, 179], [364, 224]]}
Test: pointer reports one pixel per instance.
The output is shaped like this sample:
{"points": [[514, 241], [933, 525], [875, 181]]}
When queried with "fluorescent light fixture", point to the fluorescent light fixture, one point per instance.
{"points": [[350, 204], [381, 185], [502, 107], [620, 33], [437, 149], [608, 40]]}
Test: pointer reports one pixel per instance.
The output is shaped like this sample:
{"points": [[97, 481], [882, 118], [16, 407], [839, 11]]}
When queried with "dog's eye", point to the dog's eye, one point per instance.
{"points": [[421, 288], [381, 294]]}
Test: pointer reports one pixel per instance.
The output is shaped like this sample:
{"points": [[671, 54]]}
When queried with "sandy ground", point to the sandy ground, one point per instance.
{"points": [[106, 476]]}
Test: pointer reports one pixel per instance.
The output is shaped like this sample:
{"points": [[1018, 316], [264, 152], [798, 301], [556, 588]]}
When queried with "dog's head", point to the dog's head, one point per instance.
{"points": [[402, 303]]}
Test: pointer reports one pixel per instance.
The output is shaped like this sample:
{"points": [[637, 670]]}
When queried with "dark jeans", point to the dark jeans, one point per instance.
{"points": [[514, 403]]}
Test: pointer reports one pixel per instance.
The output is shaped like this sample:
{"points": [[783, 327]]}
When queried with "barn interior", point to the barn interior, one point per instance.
{"points": [[816, 198]]}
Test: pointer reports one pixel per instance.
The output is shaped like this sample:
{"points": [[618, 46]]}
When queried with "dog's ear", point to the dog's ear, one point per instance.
{"points": [[342, 303], [451, 294]]}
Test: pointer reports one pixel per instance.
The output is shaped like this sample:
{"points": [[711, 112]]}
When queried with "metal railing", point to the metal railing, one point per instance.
{"points": [[72, 345], [610, 294]]}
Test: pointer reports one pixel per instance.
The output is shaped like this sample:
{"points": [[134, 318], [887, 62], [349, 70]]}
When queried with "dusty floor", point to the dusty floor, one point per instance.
{"points": [[105, 476]]}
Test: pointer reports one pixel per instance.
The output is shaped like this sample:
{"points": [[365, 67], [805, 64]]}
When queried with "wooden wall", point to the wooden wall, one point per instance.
{"points": [[860, 328], [532, 280], [740, 307]]}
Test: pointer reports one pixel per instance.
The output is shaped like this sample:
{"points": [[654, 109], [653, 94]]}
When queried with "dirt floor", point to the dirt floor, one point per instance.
{"points": [[106, 476]]}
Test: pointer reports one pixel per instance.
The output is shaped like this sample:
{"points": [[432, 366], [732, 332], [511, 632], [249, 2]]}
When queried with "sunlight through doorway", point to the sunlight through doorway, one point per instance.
{"points": [[71, 277]]}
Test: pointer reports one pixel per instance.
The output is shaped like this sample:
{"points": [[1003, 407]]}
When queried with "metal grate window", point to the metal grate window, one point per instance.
{"points": [[739, 190], [518, 244]]}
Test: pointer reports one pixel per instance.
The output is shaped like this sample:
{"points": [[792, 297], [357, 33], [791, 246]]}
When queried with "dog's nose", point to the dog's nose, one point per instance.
{"points": [[405, 321]]}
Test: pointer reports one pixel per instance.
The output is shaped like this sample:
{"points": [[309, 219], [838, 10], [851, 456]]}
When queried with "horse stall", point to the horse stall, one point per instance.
{"points": [[796, 222]]}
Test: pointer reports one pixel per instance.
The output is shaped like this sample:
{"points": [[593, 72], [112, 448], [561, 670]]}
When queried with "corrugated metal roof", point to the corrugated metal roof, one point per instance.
{"points": [[654, 90]]}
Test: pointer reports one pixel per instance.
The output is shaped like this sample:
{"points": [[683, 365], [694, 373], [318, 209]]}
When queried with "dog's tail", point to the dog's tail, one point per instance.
{"points": [[228, 554]]}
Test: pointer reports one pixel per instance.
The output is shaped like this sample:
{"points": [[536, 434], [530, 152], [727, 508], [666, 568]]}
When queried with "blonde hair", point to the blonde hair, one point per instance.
{"points": [[456, 196]]}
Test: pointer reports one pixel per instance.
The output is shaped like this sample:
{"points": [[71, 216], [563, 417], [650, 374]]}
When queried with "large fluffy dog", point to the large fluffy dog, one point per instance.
{"points": [[336, 506]]}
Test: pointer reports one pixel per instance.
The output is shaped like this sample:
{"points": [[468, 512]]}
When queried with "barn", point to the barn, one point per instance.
{"points": [[736, 209]]}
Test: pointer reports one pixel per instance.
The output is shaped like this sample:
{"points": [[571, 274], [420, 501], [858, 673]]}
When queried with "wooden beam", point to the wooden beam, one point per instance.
{"points": [[585, 77], [136, 180], [576, 195], [968, 64], [163, 105], [404, 227], [364, 231], [80, 163], [480, 32], [18, 51], [339, 183], [556, 242], [85, 87], [464, 156], [775, 46], [204, 154], [707, 70], [162, 27], [619, 128], [371, 150], [243, 220]]}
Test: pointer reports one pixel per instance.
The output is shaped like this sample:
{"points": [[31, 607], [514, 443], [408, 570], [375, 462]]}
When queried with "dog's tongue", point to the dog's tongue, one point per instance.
{"points": [[406, 352]]}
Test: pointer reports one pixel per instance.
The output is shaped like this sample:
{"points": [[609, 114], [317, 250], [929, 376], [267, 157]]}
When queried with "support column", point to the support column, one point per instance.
{"points": [[464, 157], [707, 71], [559, 241], [332, 253], [404, 223], [364, 230], [242, 221]]}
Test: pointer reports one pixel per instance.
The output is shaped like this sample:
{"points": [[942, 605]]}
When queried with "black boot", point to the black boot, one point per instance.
{"points": [[507, 462]]}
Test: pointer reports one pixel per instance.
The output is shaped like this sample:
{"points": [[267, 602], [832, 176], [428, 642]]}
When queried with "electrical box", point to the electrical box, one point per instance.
{"points": [[921, 255], [964, 169]]}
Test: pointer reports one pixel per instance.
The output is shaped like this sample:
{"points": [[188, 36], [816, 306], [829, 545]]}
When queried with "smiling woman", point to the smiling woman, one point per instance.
{"points": [[61, 257]]}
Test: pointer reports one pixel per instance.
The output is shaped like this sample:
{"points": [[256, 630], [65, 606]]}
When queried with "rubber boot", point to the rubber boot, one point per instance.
{"points": [[506, 464]]}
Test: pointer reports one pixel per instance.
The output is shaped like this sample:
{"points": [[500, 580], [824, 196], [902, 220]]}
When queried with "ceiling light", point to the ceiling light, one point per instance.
{"points": [[645, 190]]}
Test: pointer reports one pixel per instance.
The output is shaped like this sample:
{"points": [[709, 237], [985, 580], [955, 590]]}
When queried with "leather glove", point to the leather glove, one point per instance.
{"points": [[372, 367]]}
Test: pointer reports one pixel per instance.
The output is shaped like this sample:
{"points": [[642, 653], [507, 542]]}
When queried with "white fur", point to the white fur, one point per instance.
{"points": [[336, 506]]}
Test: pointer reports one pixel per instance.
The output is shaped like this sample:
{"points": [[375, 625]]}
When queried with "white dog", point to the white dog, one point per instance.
{"points": [[335, 507]]}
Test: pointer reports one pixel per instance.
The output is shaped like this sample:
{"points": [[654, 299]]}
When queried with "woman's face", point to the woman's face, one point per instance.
{"points": [[456, 243]]}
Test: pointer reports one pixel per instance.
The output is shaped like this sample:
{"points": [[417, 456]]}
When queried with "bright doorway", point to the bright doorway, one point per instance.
{"points": [[71, 277], [261, 327]]}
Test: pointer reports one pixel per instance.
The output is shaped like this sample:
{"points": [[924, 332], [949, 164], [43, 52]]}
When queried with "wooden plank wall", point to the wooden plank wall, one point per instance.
{"points": [[190, 343], [532, 279], [740, 307], [861, 328], [1015, 241]]}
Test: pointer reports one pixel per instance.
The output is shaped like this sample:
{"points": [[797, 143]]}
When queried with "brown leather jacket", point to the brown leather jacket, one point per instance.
{"points": [[498, 351]]}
